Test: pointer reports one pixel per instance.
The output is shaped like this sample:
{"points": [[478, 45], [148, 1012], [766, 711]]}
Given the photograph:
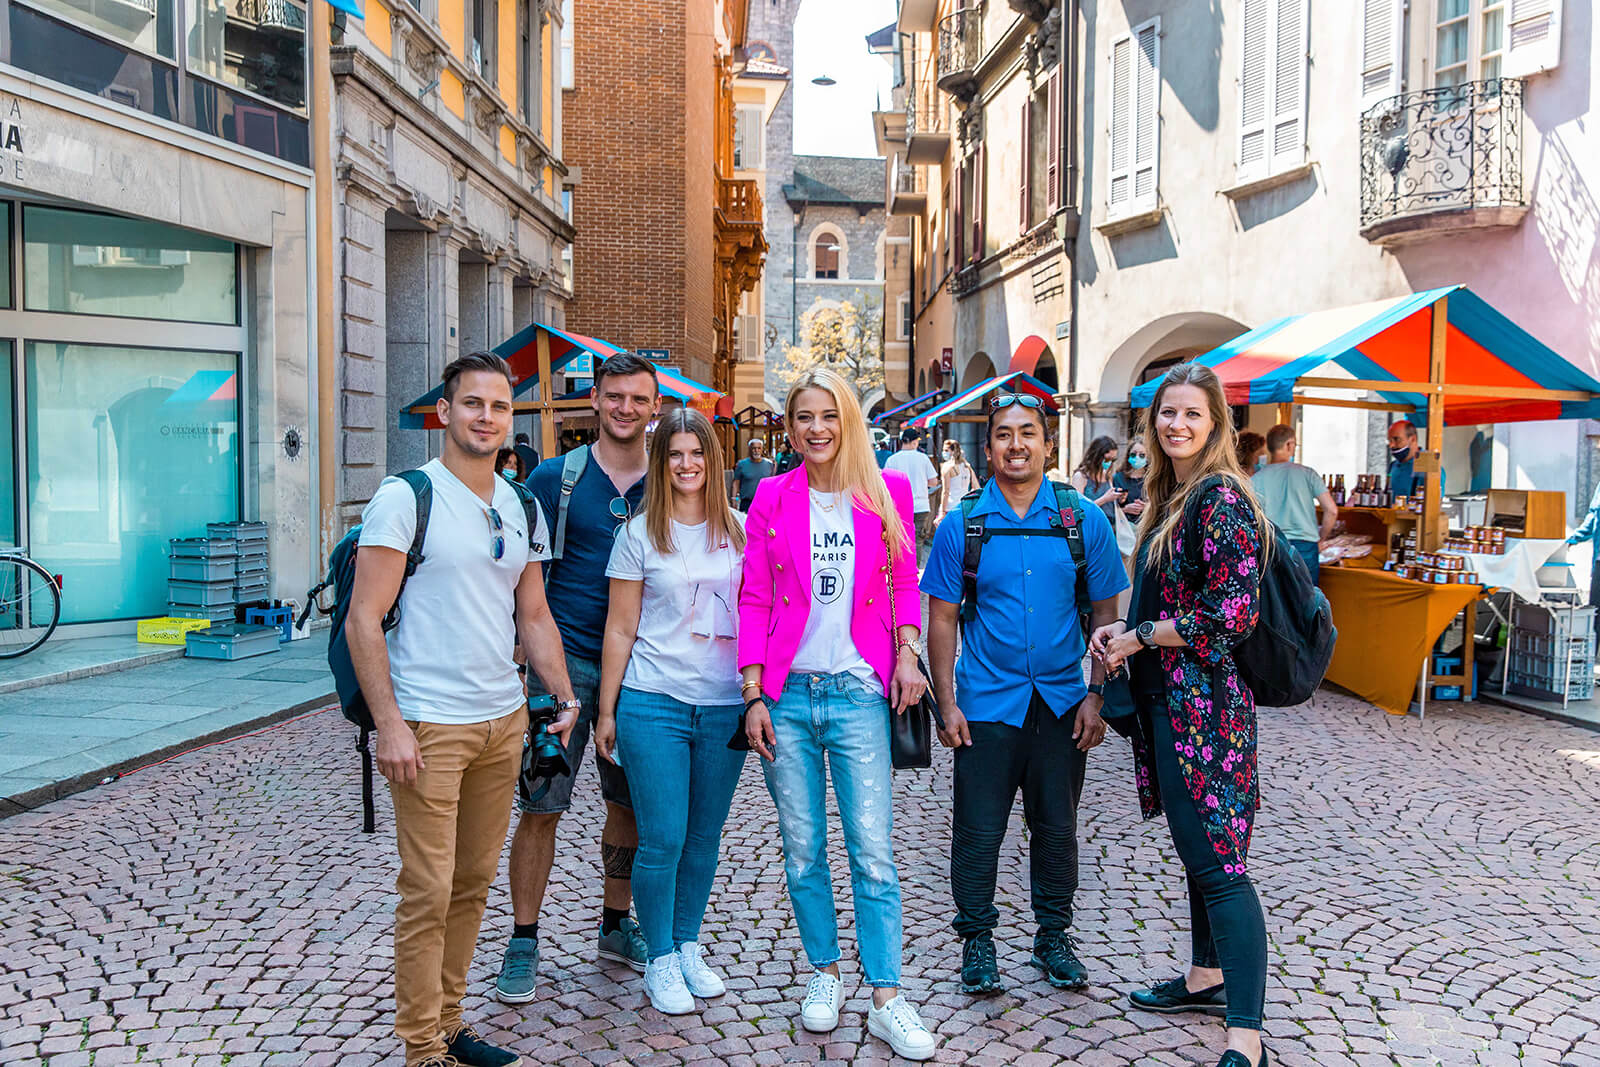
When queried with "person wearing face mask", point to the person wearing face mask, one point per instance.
{"points": [[957, 477], [1094, 480], [1252, 452], [1130, 479], [1403, 451]]}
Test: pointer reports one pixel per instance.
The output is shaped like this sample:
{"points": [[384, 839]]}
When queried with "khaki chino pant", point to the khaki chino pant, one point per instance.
{"points": [[450, 828]]}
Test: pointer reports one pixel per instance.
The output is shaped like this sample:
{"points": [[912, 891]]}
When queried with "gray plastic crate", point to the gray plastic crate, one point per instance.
{"points": [[1555, 621], [231, 641], [200, 594], [202, 548], [217, 569], [238, 531], [221, 613], [1552, 677]]}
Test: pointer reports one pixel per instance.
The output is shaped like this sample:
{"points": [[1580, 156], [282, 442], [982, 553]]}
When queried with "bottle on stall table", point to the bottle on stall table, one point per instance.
{"points": [[1338, 490], [1388, 492]]}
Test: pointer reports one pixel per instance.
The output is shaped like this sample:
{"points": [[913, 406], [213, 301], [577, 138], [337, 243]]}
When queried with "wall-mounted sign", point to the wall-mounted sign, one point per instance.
{"points": [[11, 139], [654, 355], [581, 366], [1063, 330]]}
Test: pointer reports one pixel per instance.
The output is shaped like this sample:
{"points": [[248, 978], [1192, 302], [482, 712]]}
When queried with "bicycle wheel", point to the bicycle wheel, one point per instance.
{"points": [[30, 606]]}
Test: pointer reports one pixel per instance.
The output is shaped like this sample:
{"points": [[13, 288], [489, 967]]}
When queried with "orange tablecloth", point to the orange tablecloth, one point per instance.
{"points": [[1387, 626]]}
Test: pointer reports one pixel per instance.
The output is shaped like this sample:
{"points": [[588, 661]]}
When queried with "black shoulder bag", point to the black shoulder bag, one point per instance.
{"points": [[910, 732]]}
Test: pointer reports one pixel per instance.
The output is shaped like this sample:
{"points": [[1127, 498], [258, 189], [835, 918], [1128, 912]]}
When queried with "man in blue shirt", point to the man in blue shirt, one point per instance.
{"points": [[611, 488], [1025, 719]]}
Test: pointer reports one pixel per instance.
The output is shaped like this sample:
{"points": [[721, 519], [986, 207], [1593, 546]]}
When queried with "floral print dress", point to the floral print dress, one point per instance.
{"points": [[1212, 711]]}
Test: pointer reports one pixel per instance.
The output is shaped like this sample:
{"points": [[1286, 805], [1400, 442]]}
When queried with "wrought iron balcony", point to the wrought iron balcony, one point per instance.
{"points": [[960, 49], [908, 194], [1442, 160], [927, 138]]}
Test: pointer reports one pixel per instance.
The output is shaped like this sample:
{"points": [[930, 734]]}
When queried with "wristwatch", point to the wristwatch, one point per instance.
{"points": [[913, 644], [1097, 689], [1146, 634]]}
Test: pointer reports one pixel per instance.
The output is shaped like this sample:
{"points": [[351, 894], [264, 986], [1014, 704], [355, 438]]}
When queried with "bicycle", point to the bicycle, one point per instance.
{"points": [[30, 604]]}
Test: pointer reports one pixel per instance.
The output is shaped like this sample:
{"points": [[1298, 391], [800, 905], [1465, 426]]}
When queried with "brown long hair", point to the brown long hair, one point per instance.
{"points": [[1167, 496], [658, 490], [856, 466]]}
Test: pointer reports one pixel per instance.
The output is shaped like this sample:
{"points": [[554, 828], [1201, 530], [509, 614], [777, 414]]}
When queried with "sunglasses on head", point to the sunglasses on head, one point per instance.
{"points": [[1005, 400]]}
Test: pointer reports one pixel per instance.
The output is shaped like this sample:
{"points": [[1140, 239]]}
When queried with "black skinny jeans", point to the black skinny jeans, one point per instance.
{"points": [[1226, 924], [1043, 760]]}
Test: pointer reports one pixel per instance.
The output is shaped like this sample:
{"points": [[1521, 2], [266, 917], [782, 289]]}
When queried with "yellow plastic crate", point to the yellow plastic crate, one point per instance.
{"points": [[169, 631]]}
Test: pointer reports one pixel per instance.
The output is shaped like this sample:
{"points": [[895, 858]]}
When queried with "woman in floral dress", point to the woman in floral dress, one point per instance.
{"points": [[1195, 742]]}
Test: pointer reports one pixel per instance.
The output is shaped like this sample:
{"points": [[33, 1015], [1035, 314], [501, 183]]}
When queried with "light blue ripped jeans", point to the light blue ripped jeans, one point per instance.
{"points": [[846, 721]]}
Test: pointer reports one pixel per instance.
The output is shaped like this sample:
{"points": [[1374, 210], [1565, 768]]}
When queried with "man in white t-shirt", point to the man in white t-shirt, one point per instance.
{"points": [[449, 707], [915, 465]]}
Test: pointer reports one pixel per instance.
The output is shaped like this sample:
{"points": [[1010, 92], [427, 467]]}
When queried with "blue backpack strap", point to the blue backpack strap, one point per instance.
{"points": [[573, 465], [972, 552], [1068, 517]]}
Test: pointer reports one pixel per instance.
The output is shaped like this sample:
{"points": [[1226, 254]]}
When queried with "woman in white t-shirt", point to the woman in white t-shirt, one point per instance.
{"points": [[957, 476], [669, 694]]}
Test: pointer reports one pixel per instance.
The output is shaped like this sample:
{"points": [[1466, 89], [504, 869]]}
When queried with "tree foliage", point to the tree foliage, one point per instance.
{"points": [[846, 339]]}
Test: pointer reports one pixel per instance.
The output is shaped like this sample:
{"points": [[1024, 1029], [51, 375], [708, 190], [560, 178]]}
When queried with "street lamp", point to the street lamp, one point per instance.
{"points": [[823, 80]]}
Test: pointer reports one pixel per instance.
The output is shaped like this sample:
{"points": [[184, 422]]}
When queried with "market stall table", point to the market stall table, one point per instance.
{"points": [[1516, 570], [1387, 629]]}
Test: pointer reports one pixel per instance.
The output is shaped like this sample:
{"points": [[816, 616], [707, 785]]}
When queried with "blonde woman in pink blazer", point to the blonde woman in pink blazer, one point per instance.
{"points": [[825, 655]]}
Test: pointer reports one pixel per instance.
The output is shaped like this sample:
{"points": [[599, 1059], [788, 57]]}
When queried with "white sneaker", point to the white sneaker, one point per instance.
{"points": [[898, 1023], [819, 1012], [663, 983], [702, 981]]}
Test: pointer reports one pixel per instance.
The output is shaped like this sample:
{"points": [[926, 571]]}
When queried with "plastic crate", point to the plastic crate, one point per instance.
{"points": [[1550, 677], [231, 641], [247, 591], [1558, 622], [201, 548], [212, 569], [238, 531], [200, 594], [282, 618], [168, 630], [221, 613]]}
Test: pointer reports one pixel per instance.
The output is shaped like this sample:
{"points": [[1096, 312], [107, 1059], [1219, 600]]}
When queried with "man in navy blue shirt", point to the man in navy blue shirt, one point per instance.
{"points": [[1025, 719], [610, 489]]}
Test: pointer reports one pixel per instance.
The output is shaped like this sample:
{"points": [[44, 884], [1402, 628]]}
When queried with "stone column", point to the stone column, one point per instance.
{"points": [[410, 297], [1107, 419], [363, 395]]}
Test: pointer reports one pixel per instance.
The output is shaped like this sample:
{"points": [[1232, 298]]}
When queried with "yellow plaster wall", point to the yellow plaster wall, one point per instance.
{"points": [[508, 144], [451, 93], [453, 24], [378, 28], [507, 36], [550, 76]]}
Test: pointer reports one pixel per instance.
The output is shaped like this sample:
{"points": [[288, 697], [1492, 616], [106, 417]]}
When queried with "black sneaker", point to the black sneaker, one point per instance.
{"points": [[980, 975], [1170, 998], [471, 1050], [1233, 1058], [1052, 953]]}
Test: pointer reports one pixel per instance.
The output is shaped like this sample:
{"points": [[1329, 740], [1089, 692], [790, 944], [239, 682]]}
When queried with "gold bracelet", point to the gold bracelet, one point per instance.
{"points": [[746, 687]]}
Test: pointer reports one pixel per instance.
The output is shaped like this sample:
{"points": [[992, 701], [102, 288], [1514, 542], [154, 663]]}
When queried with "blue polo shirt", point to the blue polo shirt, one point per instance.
{"points": [[1405, 480], [1025, 635], [576, 585]]}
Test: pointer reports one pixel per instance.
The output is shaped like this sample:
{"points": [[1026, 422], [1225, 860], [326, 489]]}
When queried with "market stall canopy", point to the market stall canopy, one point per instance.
{"points": [[882, 416], [522, 353], [1494, 371], [1016, 382], [674, 386]]}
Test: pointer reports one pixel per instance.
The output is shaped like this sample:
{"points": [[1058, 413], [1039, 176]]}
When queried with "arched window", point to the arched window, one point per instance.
{"points": [[825, 251]]}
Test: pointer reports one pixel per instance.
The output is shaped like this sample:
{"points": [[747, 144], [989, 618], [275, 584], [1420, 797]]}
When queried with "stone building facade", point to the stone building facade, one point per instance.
{"points": [[452, 227]]}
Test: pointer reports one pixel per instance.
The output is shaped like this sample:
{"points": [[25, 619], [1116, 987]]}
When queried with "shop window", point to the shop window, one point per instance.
{"points": [[246, 120], [42, 45], [145, 25], [90, 264], [255, 45], [5, 260], [127, 448]]}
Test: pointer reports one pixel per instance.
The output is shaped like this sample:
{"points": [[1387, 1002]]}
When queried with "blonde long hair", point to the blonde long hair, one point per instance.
{"points": [[720, 525], [855, 467], [1168, 496]]}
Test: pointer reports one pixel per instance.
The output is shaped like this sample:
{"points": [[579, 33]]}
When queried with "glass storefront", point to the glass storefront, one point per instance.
{"points": [[123, 445]]}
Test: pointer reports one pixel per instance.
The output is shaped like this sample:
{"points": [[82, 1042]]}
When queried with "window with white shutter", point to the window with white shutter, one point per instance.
{"points": [[1272, 87], [1533, 37], [1134, 137], [1381, 33]]}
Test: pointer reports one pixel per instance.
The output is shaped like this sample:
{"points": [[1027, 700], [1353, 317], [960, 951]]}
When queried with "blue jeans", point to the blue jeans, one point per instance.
{"points": [[846, 721], [1307, 551], [683, 779]]}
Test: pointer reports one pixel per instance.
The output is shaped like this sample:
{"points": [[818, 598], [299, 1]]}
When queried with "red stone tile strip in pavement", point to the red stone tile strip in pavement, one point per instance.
{"points": [[1430, 890]]}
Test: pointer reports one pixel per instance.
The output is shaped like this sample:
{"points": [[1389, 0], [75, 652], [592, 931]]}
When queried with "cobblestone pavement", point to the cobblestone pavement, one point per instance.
{"points": [[1430, 891]]}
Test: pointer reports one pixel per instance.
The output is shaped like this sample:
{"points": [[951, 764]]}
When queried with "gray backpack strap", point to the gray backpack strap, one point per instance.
{"points": [[573, 464]]}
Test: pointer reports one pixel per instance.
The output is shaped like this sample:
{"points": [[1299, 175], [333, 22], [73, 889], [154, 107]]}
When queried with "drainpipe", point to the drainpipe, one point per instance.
{"points": [[322, 190]]}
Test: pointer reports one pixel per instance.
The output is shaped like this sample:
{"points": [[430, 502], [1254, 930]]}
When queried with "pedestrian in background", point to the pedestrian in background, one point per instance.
{"points": [[1130, 479], [1251, 451], [508, 464], [881, 447], [1093, 478], [444, 693], [1586, 532], [1291, 493], [919, 470], [956, 479], [1026, 721], [749, 472], [1194, 748], [530, 455], [829, 618], [669, 695]]}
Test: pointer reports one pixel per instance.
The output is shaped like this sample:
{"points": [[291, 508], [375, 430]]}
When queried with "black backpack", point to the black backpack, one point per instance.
{"points": [[1066, 521], [1284, 659], [341, 577]]}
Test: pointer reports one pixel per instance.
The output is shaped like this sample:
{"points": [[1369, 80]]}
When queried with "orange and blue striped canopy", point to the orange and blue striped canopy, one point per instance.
{"points": [[1389, 340], [1016, 382]]}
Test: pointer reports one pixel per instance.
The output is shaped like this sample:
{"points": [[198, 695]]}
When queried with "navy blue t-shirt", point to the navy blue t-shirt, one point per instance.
{"points": [[576, 585]]}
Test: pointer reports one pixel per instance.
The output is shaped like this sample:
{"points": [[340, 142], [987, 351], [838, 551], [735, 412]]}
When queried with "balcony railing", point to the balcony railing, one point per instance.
{"points": [[739, 200], [1442, 159], [908, 194], [960, 49], [927, 137]]}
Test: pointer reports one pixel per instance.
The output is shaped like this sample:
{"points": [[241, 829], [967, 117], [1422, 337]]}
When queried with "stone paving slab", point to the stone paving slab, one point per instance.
{"points": [[1430, 891]]}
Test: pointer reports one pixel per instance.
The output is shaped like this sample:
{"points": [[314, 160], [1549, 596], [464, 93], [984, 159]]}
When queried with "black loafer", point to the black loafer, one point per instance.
{"points": [[1170, 998], [1234, 1058], [980, 974]]}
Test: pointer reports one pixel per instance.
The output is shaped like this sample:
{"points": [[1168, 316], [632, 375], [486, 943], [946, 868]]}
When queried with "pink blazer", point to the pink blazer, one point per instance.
{"points": [[775, 599]]}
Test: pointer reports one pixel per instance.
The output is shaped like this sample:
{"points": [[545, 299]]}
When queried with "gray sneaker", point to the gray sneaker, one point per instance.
{"points": [[518, 971], [625, 944]]}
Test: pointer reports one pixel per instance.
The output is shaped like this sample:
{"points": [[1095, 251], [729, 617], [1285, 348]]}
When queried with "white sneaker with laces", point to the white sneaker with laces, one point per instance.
{"points": [[663, 984], [702, 981], [898, 1023], [819, 1012]]}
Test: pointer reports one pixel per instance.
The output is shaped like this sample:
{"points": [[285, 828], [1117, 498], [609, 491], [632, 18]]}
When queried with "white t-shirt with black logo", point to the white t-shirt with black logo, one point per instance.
{"points": [[685, 646], [450, 656], [826, 646]]}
